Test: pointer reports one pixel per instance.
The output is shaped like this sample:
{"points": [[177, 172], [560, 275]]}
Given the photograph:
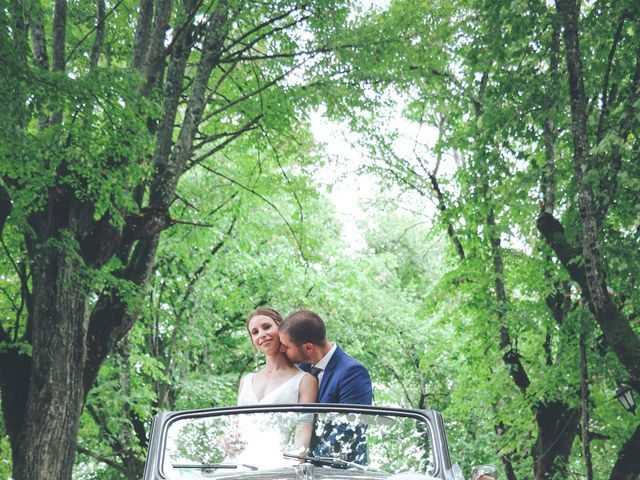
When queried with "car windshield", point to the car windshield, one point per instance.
{"points": [[229, 443]]}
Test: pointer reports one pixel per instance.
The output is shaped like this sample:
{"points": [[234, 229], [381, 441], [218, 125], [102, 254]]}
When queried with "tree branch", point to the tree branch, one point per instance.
{"points": [[510, 357], [20, 31], [5, 207], [58, 34], [101, 458], [104, 429], [146, 224], [284, 173], [231, 137], [238, 54], [259, 27], [99, 28], [264, 199], [154, 54], [604, 99], [111, 317], [99, 40], [250, 125], [184, 28], [609, 183], [38, 37], [548, 128], [443, 208], [143, 31], [166, 180], [251, 94]]}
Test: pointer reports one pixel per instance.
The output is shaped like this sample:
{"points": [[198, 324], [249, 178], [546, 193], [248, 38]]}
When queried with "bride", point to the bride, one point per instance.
{"points": [[279, 381]]}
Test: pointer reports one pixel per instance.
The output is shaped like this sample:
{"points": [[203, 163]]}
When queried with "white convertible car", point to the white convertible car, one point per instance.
{"points": [[303, 442]]}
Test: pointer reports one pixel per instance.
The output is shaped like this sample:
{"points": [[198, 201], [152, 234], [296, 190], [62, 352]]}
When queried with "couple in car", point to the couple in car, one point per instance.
{"points": [[324, 372]]}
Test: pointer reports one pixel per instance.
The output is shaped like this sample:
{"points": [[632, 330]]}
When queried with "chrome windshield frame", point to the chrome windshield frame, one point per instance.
{"points": [[163, 421]]}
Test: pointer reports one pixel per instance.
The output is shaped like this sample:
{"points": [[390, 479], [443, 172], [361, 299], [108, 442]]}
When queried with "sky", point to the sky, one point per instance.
{"points": [[341, 182], [350, 189]]}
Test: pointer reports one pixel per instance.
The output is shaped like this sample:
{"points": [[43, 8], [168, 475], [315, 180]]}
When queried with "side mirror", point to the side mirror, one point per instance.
{"points": [[484, 472]]}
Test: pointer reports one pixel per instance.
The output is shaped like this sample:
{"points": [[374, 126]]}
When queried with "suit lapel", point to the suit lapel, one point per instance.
{"points": [[326, 376]]}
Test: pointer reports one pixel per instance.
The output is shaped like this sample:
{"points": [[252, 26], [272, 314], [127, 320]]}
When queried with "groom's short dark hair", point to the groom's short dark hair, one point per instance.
{"points": [[305, 326]]}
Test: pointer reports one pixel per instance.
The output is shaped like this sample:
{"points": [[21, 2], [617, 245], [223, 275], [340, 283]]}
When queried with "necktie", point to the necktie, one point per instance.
{"points": [[315, 371]]}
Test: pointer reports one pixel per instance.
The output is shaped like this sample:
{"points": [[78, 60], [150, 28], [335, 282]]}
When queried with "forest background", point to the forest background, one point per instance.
{"points": [[158, 182]]}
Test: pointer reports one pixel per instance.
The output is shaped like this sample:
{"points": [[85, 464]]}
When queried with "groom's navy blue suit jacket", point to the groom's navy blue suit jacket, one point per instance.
{"points": [[345, 380]]}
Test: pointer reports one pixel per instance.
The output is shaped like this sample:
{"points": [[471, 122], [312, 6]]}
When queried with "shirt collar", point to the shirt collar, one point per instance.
{"points": [[324, 361]]}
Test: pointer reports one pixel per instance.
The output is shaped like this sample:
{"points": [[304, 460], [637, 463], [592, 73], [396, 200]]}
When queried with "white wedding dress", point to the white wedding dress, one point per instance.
{"points": [[287, 392], [264, 437]]}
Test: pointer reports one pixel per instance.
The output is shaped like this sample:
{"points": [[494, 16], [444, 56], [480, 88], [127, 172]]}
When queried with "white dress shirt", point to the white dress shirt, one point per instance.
{"points": [[324, 361]]}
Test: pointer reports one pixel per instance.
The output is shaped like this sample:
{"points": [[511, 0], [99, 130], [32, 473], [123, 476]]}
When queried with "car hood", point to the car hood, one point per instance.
{"points": [[305, 472]]}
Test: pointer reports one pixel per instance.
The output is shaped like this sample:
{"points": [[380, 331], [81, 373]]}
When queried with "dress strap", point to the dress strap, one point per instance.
{"points": [[300, 376]]}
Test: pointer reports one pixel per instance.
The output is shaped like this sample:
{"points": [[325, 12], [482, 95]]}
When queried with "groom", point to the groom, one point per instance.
{"points": [[342, 379]]}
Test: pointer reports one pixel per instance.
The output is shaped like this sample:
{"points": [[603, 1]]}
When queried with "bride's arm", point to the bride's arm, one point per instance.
{"points": [[308, 392]]}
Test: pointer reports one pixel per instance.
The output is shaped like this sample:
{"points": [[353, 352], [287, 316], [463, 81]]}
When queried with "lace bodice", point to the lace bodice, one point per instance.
{"points": [[287, 392]]}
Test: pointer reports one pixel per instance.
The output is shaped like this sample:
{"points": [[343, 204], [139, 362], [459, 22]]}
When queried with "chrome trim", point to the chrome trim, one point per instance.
{"points": [[430, 417]]}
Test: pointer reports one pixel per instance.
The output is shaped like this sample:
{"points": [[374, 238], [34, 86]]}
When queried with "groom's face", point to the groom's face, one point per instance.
{"points": [[294, 352]]}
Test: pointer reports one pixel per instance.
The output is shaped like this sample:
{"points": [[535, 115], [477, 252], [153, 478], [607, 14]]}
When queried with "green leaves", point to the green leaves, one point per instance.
{"points": [[485, 87]]}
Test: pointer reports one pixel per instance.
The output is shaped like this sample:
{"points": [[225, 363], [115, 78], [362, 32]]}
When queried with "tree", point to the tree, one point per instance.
{"points": [[105, 112], [190, 346], [489, 77]]}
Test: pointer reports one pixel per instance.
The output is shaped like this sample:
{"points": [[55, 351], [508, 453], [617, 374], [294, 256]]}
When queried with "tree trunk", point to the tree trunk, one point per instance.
{"points": [[617, 330], [557, 423], [627, 466], [45, 444], [43, 394], [584, 382], [557, 428]]}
